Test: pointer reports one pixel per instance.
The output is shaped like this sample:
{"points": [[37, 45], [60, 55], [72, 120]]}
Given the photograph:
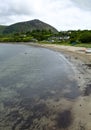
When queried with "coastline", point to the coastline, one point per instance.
{"points": [[74, 113], [81, 61]]}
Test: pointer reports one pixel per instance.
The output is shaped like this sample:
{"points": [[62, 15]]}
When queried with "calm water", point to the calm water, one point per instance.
{"points": [[30, 75]]}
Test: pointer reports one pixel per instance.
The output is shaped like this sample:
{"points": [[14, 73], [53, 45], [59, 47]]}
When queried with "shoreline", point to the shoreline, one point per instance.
{"points": [[81, 62], [75, 112]]}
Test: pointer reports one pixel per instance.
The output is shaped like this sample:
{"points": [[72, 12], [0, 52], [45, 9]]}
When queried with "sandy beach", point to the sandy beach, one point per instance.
{"points": [[81, 63]]}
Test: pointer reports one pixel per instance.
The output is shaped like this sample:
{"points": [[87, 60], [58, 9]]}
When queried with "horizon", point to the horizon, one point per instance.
{"points": [[46, 23]]}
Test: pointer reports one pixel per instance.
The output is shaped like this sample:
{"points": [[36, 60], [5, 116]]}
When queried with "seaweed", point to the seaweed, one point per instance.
{"points": [[64, 119], [87, 90]]}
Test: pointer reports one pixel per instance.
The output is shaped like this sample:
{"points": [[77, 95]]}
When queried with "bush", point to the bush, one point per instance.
{"points": [[85, 37]]}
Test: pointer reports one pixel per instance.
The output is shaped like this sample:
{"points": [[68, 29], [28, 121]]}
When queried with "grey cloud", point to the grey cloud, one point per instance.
{"points": [[83, 4], [62, 14], [3, 20], [15, 7], [15, 11]]}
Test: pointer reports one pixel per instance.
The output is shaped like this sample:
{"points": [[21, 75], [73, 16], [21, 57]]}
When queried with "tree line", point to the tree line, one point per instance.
{"points": [[75, 36], [35, 35]]}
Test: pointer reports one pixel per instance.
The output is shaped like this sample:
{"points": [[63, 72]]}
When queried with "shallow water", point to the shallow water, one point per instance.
{"points": [[29, 78]]}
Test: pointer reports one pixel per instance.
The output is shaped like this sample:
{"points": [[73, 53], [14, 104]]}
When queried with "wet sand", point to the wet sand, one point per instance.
{"points": [[80, 108]]}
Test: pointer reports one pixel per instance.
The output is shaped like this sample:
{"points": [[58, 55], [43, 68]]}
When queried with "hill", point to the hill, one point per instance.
{"points": [[2, 28], [23, 27]]}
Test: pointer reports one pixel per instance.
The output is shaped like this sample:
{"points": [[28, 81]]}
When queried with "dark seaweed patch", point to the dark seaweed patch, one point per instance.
{"points": [[89, 65], [87, 90], [64, 119]]}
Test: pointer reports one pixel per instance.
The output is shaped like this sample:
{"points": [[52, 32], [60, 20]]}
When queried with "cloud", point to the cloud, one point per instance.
{"points": [[83, 4], [62, 14], [15, 7]]}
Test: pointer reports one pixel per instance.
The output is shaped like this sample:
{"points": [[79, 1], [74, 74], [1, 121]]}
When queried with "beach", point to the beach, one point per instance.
{"points": [[81, 62]]}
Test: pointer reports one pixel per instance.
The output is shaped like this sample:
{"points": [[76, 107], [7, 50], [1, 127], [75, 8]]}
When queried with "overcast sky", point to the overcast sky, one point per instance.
{"points": [[62, 14]]}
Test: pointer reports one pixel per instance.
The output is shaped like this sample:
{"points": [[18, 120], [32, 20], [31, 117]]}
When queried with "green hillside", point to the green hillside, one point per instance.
{"points": [[27, 26], [2, 27]]}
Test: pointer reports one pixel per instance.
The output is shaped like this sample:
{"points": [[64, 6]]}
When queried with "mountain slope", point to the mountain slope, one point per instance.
{"points": [[2, 28], [24, 27]]}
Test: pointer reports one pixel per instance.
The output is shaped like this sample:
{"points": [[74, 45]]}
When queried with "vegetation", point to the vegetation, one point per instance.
{"points": [[85, 37], [35, 35], [2, 28], [35, 30]]}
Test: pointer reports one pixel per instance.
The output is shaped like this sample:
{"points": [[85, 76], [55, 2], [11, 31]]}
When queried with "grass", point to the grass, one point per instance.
{"points": [[87, 45]]}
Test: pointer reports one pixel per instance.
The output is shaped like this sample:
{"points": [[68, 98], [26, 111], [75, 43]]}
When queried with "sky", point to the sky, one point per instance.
{"points": [[62, 14]]}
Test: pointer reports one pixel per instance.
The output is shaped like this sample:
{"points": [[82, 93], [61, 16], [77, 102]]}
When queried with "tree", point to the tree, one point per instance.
{"points": [[85, 37]]}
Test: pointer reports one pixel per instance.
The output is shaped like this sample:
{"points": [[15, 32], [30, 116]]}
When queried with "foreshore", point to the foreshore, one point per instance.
{"points": [[51, 111], [81, 62], [77, 56]]}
